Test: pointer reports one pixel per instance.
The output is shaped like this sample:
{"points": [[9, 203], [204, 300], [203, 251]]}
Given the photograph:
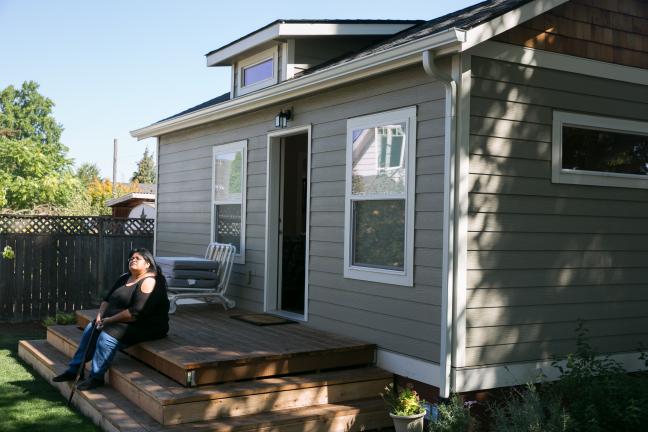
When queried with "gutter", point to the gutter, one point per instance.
{"points": [[404, 55], [448, 266]]}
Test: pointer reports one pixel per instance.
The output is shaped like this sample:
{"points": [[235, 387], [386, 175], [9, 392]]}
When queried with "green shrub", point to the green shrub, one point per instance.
{"points": [[529, 410], [454, 416], [60, 318], [593, 394], [597, 392]]}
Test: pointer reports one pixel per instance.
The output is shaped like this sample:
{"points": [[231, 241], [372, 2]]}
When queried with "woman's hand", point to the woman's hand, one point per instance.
{"points": [[102, 322], [97, 319]]}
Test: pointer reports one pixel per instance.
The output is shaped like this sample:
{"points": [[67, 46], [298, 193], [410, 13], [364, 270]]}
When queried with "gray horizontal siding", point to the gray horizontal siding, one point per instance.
{"points": [[402, 319], [543, 255]]}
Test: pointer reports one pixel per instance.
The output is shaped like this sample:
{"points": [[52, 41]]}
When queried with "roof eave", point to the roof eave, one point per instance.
{"points": [[279, 30], [507, 21], [446, 41]]}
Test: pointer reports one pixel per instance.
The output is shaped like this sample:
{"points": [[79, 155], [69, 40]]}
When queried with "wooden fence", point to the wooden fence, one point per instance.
{"points": [[63, 263]]}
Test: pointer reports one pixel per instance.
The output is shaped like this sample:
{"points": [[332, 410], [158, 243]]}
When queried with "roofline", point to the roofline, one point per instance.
{"points": [[283, 29], [130, 196], [447, 41]]}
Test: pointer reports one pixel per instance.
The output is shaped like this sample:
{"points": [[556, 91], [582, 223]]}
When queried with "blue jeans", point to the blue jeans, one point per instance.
{"points": [[107, 347]]}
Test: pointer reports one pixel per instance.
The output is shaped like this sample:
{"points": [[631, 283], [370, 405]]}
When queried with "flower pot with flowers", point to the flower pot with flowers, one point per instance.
{"points": [[405, 408]]}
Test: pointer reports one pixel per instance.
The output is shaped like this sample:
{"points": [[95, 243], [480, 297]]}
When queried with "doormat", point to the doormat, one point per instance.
{"points": [[261, 319]]}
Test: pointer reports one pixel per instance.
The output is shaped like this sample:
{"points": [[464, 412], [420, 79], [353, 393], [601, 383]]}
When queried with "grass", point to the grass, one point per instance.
{"points": [[27, 401]]}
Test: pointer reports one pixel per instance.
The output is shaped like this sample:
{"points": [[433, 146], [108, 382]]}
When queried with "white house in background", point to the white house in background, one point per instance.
{"points": [[458, 191]]}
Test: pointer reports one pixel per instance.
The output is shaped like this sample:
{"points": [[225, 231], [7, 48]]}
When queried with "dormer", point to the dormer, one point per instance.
{"points": [[284, 48]]}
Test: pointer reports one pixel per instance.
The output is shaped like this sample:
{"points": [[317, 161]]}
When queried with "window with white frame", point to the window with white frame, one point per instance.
{"points": [[600, 151], [228, 196], [379, 204], [258, 71]]}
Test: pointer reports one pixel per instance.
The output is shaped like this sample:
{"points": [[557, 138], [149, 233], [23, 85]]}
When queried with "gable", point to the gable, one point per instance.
{"points": [[604, 30]]}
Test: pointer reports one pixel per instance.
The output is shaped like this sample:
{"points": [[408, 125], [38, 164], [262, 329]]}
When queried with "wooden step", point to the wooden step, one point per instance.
{"points": [[113, 412], [170, 403], [206, 346]]}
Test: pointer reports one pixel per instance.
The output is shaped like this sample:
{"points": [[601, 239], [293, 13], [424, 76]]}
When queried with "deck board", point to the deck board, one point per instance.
{"points": [[205, 339]]}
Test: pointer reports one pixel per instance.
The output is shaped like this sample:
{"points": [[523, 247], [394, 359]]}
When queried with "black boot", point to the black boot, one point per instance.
{"points": [[90, 383], [65, 376]]}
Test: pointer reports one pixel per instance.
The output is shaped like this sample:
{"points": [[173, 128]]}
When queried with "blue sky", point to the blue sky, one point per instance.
{"points": [[114, 66]]}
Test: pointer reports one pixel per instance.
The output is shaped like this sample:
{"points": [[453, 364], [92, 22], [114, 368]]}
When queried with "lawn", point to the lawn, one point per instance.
{"points": [[27, 401]]}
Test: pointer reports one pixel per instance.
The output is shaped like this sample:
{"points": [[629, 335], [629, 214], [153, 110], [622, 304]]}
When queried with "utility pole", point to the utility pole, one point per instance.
{"points": [[114, 182]]}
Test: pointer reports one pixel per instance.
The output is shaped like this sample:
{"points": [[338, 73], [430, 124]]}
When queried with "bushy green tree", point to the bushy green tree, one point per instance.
{"points": [[145, 169], [88, 173], [34, 167]]}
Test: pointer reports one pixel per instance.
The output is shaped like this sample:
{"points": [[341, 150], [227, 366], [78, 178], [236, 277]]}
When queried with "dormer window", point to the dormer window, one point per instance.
{"points": [[284, 48], [258, 71]]}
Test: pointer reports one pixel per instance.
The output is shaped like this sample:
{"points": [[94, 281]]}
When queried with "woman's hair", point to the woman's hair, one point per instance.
{"points": [[148, 257]]}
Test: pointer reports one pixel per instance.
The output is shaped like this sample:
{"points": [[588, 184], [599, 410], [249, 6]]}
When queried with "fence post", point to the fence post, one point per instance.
{"points": [[100, 258]]}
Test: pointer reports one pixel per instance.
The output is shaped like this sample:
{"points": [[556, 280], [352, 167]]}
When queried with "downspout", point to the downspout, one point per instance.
{"points": [[447, 314]]}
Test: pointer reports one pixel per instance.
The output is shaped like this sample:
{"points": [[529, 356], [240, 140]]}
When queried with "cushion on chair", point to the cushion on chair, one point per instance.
{"points": [[189, 274], [186, 263]]}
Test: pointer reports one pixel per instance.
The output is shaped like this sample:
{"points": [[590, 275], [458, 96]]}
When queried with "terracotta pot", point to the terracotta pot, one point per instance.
{"points": [[411, 423]]}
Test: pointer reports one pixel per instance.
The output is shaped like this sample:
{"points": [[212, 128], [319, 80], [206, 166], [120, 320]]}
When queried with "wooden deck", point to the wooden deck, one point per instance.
{"points": [[206, 346], [282, 378]]}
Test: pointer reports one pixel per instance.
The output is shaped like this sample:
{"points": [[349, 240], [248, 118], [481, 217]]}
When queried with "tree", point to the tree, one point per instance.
{"points": [[101, 191], [145, 169], [88, 173], [34, 167]]}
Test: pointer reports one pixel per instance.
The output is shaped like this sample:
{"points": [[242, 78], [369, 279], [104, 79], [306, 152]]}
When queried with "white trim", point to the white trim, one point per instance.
{"points": [[284, 49], [233, 81], [512, 374], [594, 178], [406, 276], [462, 188], [507, 21], [408, 367], [263, 56], [567, 63], [448, 263], [403, 55], [341, 29], [272, 217], [237, 146], [157, 193], [221, 56]]}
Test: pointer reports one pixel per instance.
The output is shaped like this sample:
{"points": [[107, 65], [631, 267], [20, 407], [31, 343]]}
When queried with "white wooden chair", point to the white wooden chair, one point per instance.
{"points": [[223, 254]]}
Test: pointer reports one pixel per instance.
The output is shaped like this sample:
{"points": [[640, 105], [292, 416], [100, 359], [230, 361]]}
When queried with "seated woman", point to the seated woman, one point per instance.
{"points": [[135, 310]]}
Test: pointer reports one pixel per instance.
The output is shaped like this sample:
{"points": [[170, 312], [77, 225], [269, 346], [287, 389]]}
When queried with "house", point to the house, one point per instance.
{"points": [[459, 191], [139, 204]]}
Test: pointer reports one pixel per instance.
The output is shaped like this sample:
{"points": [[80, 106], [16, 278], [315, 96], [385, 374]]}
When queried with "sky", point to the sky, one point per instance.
{"points": [[115, 66]]}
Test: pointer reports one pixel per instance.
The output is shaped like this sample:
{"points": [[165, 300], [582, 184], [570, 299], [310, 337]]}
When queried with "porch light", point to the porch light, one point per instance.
{"points": [[281, 119]]}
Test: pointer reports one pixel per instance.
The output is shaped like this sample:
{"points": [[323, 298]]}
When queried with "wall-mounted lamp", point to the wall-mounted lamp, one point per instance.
{"points": [[281, 119]]}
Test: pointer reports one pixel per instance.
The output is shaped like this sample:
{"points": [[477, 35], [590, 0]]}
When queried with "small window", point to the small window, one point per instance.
{"points": [[258, 72], [379, 208], [228, 196], [601, 151]]}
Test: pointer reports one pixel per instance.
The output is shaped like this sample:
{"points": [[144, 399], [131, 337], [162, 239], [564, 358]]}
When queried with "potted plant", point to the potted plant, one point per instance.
{"points": [[405, 408]]}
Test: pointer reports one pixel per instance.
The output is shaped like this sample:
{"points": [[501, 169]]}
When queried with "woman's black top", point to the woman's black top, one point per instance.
{"points": [[150, 311]]}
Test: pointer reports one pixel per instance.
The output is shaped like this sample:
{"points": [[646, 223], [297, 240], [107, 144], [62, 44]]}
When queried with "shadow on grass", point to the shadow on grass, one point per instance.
{"points": [[27, 401]]}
